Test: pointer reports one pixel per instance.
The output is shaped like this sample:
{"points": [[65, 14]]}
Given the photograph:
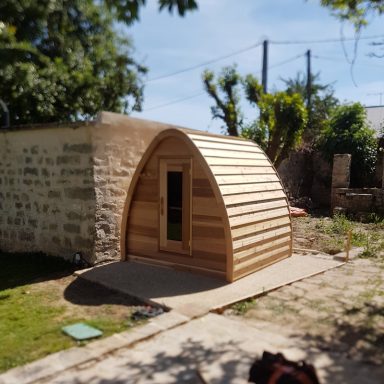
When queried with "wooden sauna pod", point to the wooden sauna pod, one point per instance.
{"points": [[206, 203]]}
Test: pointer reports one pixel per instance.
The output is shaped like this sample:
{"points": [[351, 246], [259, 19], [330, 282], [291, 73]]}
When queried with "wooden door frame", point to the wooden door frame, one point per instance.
{"points": [[184, 165]]}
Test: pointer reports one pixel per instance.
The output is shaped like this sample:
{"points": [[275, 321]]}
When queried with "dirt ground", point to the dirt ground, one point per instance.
{"points": [[328, 234], [84, 299]]}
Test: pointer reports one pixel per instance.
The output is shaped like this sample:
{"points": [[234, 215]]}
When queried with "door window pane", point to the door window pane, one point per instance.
{"points": [[175, 205]]}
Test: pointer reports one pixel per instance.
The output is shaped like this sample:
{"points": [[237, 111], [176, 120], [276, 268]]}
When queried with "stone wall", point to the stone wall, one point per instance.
{"points": [[63, 187], [47, 199], [352, 200], [118, 143], [307, 174]]}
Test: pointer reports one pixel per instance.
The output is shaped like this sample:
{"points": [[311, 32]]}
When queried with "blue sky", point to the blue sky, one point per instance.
{"points": [[166, 44]]}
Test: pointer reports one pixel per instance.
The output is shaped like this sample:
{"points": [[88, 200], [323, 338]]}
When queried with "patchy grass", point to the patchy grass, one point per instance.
{"points": [[39, 296], [243, 307], [329, 234]]}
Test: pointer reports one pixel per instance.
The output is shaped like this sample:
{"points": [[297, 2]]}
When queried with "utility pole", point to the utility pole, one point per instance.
{"points": [[309, 79], [265, 66]]}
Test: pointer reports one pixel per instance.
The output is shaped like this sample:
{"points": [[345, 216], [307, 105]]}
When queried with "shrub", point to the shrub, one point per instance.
{"points": [[348, 132]]}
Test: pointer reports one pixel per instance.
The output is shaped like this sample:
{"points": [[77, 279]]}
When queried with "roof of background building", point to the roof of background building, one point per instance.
{"points": [[375, 117]]}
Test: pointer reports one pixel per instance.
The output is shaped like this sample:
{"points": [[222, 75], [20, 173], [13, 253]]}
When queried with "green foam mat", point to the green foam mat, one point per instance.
{"points": [[81, 331]]}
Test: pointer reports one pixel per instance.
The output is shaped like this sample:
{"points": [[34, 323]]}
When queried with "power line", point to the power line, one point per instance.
{"points": [[253, 46], [286, 61], [205, 63], [343, 60], [323, 41], [174, 102]]}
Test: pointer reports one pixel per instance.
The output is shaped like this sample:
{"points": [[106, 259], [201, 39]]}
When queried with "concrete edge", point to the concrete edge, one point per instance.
{"points": [[247, 297], [55, 363]]}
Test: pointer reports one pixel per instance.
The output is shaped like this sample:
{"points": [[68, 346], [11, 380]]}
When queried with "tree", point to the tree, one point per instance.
{"points": [[128, 11], [355, 11], [62, 60], [226, 108], [348, 132], [282, 116], [322, 104]]}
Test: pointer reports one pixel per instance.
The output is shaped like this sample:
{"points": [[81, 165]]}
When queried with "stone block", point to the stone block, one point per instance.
{"points": [[80, 193], [341, 170], [54, 194], [79, 148], [71, 228], [72, 160], [26, 236]]}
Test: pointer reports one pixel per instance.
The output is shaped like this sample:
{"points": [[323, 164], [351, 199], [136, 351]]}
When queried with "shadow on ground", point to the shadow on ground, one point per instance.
{"points": [[17, 269], [225, 363], [83, 292]]}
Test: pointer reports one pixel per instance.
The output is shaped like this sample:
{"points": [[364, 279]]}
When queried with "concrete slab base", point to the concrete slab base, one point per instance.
{"points": [[194, 295]]}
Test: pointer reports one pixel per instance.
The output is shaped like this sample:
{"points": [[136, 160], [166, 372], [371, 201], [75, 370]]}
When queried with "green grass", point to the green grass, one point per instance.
{"points": [[368, 235], [31, 316]]}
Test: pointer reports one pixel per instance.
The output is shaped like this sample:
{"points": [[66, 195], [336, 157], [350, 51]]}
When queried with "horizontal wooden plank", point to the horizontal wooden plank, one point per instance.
{"points": [[253, 197], [208, 231], [255, 208], [178, 259], [144, 243], [239, 221], [252, 229], [267, 235], [202, 271], [274, 256], [252, 252], [221, 139], [261, 257], [231, 154], [207, 219], [241, 170], [250, 188], [245, 179], [236, 162], [204, 244], [206, 206], [143, 230], [228, 146]]}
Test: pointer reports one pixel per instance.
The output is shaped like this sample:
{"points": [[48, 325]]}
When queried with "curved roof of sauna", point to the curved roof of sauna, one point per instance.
{"points": [[256, 213]]}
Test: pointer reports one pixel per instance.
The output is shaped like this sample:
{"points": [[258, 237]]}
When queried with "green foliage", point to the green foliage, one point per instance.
{"points": [[282, 115], [323, 102], [348, 132], [62, 60], [355, 11], [227, 107], [285, 117], [128, 11], [242, 307]]}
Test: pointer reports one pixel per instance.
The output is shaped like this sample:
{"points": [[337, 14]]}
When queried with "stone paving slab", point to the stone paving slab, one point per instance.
{"points": [[194, 295], [220, 348]]}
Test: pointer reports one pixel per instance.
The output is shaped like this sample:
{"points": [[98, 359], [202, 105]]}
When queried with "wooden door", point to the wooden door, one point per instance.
{"points": [[175, 205]]}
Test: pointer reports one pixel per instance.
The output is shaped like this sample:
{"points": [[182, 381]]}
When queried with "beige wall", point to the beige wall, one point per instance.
{"points": [[63, 187], [47, 199]]}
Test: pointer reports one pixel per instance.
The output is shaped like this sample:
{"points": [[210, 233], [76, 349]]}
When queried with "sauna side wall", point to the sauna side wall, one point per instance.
{"points": [[254, 200], [208, 239]]}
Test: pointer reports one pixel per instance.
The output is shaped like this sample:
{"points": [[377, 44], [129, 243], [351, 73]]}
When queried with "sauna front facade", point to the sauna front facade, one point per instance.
{"points": [[206, 203]]}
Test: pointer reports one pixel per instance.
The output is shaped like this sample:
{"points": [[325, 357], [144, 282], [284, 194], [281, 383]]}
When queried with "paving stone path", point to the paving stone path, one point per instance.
{"points": [[341, 311]]}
